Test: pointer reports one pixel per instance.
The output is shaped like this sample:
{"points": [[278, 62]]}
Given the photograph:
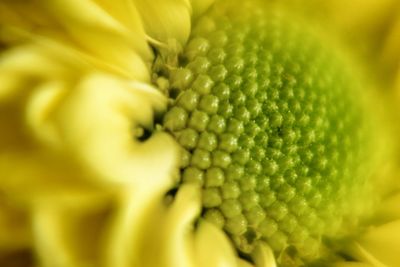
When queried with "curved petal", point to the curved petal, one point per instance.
{"points": [[200, 6], [22, 65], [390, 55], [380, 246], [69, 226], [102, 35], [389, 209], [166, 21], [178, 227], [14, 226], [145, 227], [96, 123], [22, 14], [263, 256], [351, 264], [212, 247]]}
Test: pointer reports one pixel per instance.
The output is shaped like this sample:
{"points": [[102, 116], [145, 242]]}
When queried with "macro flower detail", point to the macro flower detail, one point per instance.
{"points": [[273, 127], [198, 133]]}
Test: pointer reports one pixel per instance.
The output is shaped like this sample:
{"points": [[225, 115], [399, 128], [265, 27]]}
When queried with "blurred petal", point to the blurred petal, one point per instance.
{"points": [[380, 246], [145, 227], [43, 102], [178, 227], [23, 14], [212, 247], [352, 264], [69, 226], [102, 35], [389, 209], [200, 6], [263, 256], [361, 14], [166, 21], [391, 53], [95, 121], [14, 226]]}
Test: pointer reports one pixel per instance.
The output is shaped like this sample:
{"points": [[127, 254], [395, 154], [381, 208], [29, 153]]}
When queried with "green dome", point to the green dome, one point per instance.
{"points": [[271, 125]]}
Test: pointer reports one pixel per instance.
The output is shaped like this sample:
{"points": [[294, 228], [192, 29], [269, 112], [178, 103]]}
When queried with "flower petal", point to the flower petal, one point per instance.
{"points": [[145, 227], [352, 264], [95, 122], [263, 256], [390, 54], [389, 209], [166, 20], [380, 246], [99, 33], [14, 226], [212, 248], [58, 228], [200, 6]]}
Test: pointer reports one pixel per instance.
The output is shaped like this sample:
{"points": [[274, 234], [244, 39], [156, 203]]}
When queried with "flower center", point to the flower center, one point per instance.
{"points": [[270, 125]]}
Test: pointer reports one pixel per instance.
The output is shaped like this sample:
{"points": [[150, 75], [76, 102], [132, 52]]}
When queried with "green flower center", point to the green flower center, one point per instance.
{"points": [[271, 126]]}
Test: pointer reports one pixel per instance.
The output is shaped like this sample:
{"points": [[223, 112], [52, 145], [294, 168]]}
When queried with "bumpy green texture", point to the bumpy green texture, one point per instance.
{"points": [[271, 126]]}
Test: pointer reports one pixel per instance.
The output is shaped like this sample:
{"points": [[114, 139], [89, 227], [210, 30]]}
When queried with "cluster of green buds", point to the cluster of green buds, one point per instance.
{"points": [[270, 124]]}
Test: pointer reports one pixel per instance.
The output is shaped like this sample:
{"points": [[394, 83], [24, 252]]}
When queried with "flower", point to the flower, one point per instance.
{"points": [[81, 182]]}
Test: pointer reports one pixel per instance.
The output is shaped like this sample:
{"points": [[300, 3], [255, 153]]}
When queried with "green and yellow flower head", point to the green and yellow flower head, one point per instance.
{"points": [[197, 133]]}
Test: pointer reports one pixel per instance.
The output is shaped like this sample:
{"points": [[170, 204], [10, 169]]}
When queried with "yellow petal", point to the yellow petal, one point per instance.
{"points": [[67, 228], [43, 101], [30, 60], [200, 6], [125, 12], [166, 20], [380, 245], [263, 256], [145, 227], [95, 122], [212, 247], [21, 65], [176, 247], [352, 264], [389, 209], [99, 33], [362, 15], [26, 14], [14, 226], [391, 54]]}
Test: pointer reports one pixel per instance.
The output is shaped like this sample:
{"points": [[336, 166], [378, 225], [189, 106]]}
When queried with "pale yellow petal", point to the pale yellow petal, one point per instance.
{"points": [[389, 209], [22, 65], [364, 15], [14, 226], [22, 14], [68, 228], [42, 103], [99, 33], [30, 174], [30, 60], [130, 226], [178, 227], [145, 227], [96, 123], [391, 54], [243, 263], [126, 13], [200, 6], [212, 247], [380, 245], [352, 264], [263, 256], [166, 20]]}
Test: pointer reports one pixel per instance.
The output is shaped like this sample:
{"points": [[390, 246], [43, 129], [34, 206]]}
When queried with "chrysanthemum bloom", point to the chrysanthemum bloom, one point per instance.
{"points": [[187, 133]]}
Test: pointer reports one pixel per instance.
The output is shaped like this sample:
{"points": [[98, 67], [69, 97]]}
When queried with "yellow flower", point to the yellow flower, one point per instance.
{"points": [[81, 184]]}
